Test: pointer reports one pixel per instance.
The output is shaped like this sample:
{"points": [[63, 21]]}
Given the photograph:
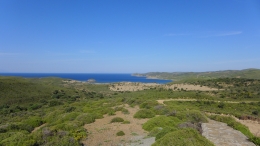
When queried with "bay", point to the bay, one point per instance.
{"points": [[99, 78]]}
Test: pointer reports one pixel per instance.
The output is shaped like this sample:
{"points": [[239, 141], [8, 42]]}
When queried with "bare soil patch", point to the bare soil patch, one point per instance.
{"points": [[128, 86], [102, 132]]}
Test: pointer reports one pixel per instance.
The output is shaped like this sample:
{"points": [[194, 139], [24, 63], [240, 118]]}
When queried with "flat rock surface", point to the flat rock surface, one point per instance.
{"points": [[222, 135]]}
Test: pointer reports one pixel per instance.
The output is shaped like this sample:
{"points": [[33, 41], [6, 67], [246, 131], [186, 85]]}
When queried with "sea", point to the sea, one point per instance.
{"points": [[99, 78]]}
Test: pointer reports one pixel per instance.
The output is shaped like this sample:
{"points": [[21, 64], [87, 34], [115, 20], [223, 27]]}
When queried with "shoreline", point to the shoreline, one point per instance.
{"points": [[150, 77]]}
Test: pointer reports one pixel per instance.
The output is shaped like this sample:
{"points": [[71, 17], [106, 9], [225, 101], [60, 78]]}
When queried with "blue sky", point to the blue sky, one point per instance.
{"points": [[128, 36]]}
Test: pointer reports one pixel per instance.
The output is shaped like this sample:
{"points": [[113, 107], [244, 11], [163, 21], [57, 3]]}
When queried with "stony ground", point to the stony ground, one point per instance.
{"points": [[222, 135]]}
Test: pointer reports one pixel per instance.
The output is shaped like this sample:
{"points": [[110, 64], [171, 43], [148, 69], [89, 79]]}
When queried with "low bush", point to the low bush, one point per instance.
{"points": [[183, 137], [161, 110], [126, 122], [30, 123], [55, 103], [144, 113], [120, 133], [67, 117], [117, 119], [86, 118], [160, 121], [125, 111], [196, 117], [149, 104], [164, 131], [155, 131]]}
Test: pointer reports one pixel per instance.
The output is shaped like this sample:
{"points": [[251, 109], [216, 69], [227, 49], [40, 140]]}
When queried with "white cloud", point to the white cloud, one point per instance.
{"points": [[229, 33], [221, 34]]}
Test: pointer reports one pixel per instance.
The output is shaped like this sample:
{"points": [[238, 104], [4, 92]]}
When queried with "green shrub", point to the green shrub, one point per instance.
{"points": [[67, 117], [126, 122], [196, 117], [30, 123], [55, 103], [164, 131], [110, 111], [69, 109], [155, 131], [117, 119], [70, 126], [255, 112], [161, 110], [86, 118], [35, 106], [120, 133], [118, 108], [221, 105], [144, 113], [255, 140], [183, 137], [149, 104], [125, 111], [53, 116], [160, 121], [13, 138]]}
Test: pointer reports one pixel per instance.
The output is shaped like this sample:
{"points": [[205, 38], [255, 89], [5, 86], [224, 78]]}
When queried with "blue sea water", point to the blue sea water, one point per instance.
{"points": [[100, 78]]}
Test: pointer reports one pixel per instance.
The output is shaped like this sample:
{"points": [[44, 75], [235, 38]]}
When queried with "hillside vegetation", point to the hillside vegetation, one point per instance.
{"points": [[177, 76], [53, 111]]}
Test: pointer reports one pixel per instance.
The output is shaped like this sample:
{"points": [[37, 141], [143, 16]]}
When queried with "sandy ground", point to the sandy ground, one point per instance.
{"points": [[128, 86], [254, 126], [102, 132]]}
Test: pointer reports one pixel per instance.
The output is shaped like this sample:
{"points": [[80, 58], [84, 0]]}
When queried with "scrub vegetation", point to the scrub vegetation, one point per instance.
{"points": [[53, 111]]}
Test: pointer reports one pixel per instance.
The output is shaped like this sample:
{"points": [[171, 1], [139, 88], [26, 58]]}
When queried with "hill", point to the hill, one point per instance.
{"points": [[177, 76]]}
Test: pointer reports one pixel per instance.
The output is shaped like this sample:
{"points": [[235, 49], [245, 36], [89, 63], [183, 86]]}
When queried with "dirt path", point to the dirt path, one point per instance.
{"points": [[102, 132], [37, 128], [161, 101], [222, 135]]}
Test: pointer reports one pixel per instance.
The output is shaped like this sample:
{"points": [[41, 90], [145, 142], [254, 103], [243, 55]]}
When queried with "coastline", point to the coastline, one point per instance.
{"points": [[92, 78], [149, 77]]}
